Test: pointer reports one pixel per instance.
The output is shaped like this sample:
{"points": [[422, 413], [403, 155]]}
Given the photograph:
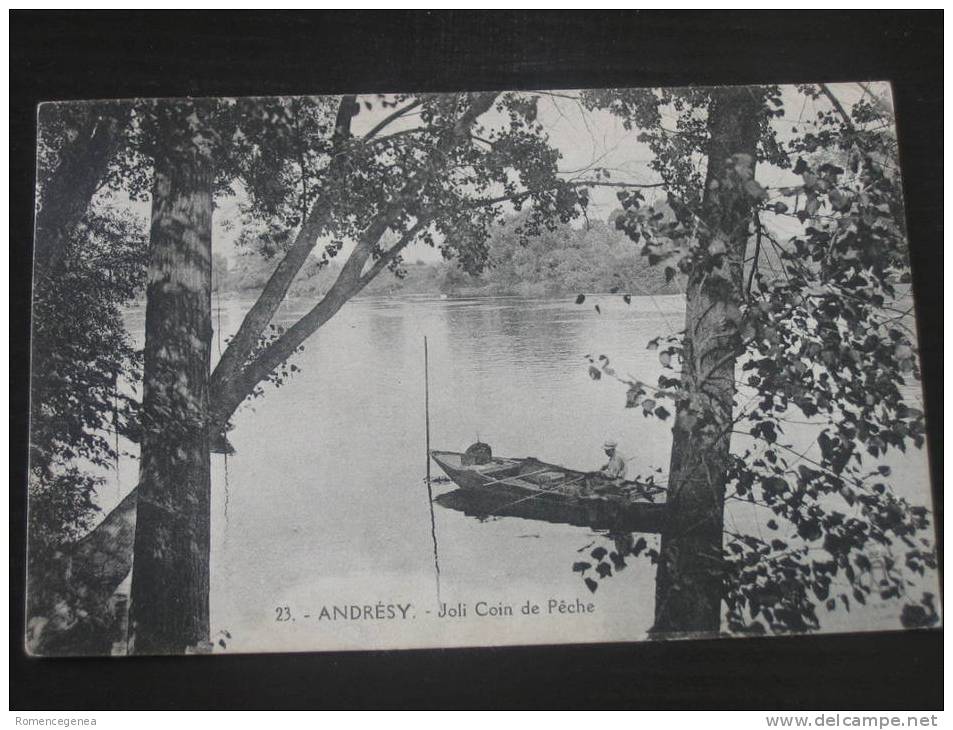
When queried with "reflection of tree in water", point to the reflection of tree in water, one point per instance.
{"points": [[526, 332], [387, 329]]}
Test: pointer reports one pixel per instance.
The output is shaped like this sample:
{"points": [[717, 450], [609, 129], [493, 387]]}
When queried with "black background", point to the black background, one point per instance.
{"points": [[70, 55]]}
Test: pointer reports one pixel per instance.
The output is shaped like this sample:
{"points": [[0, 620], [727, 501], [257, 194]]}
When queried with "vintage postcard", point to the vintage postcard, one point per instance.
{"points": [[407, 370]]}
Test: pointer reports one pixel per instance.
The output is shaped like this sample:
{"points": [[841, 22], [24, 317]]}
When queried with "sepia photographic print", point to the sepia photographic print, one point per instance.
{"points": [[398, 371]]}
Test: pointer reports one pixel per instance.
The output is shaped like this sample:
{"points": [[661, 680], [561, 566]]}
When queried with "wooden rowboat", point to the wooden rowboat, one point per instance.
{"points": [[532, 489]]}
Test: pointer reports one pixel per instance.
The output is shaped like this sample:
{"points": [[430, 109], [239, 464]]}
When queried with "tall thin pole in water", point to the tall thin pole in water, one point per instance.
{"points": [[427, 408], [433, 519]]}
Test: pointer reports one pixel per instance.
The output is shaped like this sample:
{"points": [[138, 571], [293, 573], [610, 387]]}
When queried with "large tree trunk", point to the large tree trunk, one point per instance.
{"points": [[232, 383], [62, 620], [689, 582], [170, 580]]}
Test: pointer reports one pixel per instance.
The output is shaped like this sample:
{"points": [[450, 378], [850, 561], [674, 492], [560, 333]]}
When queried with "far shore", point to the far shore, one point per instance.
{"points": [[250, 296]]}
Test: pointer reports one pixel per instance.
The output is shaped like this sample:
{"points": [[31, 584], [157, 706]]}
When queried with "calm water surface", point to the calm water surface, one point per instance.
{"points": [[324, 501]]}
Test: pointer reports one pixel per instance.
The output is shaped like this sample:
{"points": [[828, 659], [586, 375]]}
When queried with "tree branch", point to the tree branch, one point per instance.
{"points": [[259, 316], [234, 385], [388, 256], [523, 194], [825, 89], [757, 255], [401, 133], [606, 184], [392, 117]]}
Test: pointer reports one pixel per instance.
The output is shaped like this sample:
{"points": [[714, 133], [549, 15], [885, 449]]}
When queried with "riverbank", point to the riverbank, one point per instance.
{"points": [[559, 263]]}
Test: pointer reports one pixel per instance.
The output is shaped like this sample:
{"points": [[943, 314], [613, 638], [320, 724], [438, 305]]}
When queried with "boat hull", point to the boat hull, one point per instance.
{"points": [[495, 494]]}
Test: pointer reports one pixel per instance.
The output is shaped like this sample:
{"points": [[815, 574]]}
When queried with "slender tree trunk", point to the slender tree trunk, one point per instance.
{"points": [[689, 582], [83, 162], [170, 582]]}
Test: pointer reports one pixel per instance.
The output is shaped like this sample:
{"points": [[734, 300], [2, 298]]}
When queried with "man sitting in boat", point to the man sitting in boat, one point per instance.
{"points": [[615, 468]]}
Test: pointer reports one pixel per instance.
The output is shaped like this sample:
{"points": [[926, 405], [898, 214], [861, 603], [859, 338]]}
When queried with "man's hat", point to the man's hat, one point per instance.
{"points": [[610, 444]]}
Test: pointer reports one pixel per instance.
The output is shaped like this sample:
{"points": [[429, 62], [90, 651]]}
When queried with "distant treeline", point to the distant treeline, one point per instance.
{"points": [[591, 258]]}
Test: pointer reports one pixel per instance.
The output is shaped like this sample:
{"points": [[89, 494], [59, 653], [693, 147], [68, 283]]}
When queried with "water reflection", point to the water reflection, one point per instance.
{"points": [[326, 495], [326, 487]]}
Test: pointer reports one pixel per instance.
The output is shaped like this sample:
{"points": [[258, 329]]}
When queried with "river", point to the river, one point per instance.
{"points": [[324, 501]]}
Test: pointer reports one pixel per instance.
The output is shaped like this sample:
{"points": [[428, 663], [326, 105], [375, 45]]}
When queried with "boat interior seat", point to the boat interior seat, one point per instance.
{"points": [[500, 470]]}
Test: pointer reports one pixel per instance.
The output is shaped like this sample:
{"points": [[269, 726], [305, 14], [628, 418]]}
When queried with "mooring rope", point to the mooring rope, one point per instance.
{"points": [[433, 535]]}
